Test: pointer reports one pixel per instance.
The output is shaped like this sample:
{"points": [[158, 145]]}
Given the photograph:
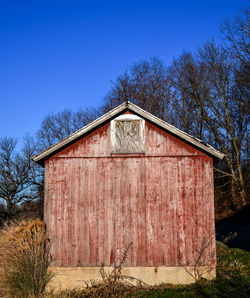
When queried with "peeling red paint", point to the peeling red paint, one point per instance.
{"points": [[161, 201]]}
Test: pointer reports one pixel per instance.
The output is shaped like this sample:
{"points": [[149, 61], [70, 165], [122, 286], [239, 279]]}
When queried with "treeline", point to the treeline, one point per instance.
{"points": [[205, 93]]}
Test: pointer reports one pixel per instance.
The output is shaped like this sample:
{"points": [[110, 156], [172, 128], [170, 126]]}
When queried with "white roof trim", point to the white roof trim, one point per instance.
{"points": [[132, 107], [127, 117]]}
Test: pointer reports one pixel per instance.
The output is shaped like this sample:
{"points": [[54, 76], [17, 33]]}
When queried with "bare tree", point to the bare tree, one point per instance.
{"points": [[191, 92], [147, 84], [210, 103], [226, 116], [236, 33], [19, 176], [57, 126]]}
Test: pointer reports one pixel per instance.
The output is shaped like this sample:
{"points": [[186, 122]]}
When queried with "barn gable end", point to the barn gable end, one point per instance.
{"points": [[156, 196], [157, 142], [128, 108]]}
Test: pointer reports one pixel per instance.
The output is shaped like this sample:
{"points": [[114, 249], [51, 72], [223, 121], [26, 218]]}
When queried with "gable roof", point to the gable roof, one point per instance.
{"points": [[127, 106]]}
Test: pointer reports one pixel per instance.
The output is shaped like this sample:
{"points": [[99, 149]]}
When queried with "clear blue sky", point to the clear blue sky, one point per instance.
{"points": [[57, 54]]}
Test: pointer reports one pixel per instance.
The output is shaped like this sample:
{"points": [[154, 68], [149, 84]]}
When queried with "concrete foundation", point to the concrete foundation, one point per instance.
{"points": [[72, 277]]}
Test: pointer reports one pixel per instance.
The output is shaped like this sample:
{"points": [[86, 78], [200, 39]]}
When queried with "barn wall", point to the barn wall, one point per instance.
{"points": [[162, 202]]}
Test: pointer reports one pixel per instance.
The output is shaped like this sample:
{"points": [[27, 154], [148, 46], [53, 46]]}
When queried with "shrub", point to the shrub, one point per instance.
{"points": [[24, 259], [232, 262]]}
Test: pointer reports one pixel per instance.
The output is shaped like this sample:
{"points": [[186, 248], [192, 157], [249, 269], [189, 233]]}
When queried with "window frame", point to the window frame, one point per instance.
{"points": [[127, 118]]}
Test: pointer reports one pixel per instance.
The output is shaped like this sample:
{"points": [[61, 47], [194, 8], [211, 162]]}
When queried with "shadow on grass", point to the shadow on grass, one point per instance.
{"points": [[238, 223]]}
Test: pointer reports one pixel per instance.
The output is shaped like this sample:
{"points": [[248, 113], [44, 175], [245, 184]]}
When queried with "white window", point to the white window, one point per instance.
{"points": [[127, 134]]}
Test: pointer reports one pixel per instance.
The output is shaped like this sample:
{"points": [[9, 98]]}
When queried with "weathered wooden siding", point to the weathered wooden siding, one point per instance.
{"points": [[96, 203]]}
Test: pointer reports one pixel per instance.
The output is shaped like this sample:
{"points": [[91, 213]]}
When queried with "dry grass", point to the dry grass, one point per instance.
{"points": [[24, 259], [99, 289]]}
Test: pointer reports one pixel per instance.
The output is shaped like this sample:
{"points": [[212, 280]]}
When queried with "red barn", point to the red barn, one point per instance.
{"points": [[130, 178]]}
